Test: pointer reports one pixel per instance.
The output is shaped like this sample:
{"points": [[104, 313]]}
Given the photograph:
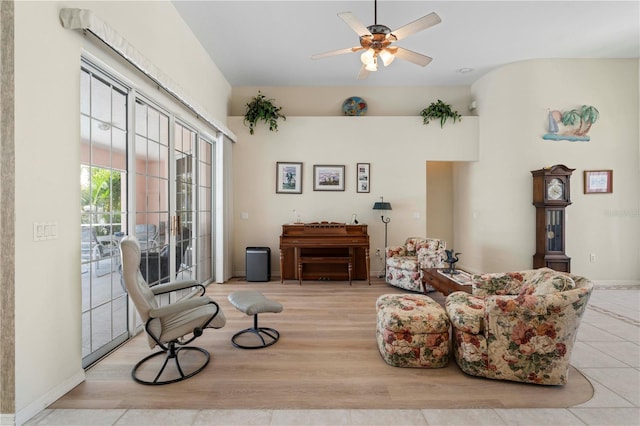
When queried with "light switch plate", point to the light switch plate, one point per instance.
{"points": [[43, 231]]}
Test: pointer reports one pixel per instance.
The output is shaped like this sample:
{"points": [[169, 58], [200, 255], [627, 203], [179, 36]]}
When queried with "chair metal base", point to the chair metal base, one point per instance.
{"points": [[171, 353], [272, 336]]}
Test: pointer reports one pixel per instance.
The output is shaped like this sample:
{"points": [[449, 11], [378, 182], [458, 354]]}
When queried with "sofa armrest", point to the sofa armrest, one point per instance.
{"points": [[498, 283], [571, 302]]}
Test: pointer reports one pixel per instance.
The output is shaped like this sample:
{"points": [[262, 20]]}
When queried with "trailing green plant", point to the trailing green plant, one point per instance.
{"points": [[439, 111], [262, 109]]}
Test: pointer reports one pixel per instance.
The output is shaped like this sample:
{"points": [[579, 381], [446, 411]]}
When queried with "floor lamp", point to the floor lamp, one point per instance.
{"points": [[382, 205]]}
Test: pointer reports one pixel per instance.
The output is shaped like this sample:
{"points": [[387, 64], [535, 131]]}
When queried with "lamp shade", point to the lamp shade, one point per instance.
{"points": [[382, 205], [386, 56]]}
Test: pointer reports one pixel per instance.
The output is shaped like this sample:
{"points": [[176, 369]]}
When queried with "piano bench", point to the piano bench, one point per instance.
{"points": [[325, 260]]}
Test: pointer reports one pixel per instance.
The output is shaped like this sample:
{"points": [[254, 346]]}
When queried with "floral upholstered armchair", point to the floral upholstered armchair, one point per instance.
{"points": [[404, 263], [518, 326]]}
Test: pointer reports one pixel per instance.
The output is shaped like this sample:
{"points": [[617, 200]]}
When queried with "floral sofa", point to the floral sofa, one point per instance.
{"points": [[403, 263], [518, 326]]}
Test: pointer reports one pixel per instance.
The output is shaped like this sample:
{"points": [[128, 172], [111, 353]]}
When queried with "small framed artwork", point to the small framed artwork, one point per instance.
{"points": [[363, 177], [288, 178], [328, 178], [598, 181]]}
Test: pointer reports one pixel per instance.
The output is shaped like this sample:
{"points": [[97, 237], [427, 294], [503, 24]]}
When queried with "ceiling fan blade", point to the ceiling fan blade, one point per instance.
{"points": [[411, 56], [418, 25], [363, 74], [336, 52], [354, 23]]}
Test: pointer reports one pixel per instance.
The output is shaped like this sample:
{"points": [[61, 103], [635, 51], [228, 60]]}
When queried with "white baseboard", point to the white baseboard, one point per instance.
{"points": [[616, 283], [276, 276], [47, 399], [7, 419]]}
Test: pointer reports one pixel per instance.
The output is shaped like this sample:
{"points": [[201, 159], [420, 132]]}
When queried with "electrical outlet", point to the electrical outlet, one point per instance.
{"points": [[592, 257]]}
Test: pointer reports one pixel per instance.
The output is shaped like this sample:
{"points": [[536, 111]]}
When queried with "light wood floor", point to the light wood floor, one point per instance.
{"points": [[327, 357]]}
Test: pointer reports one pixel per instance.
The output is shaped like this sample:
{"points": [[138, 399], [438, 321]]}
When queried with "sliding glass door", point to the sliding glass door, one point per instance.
{"points": [[103, 207], [193, 156], [152, 191], [146, 173], [204, 186]]}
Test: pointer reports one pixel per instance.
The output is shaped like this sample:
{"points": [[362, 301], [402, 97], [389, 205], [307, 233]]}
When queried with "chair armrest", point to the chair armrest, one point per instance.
{"points": [[174, 286], [181, 306], [395, 251]]}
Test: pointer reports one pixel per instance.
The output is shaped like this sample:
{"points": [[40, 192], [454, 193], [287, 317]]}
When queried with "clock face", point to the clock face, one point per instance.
{"points": [[555, 189]]}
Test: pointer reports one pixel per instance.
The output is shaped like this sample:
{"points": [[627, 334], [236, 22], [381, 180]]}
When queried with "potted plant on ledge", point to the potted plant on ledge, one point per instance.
{"points": [[439, 111], [262, 109]]}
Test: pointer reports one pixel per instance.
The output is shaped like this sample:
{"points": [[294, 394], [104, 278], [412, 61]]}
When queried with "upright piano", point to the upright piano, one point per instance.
{"points": [[307, 249]]}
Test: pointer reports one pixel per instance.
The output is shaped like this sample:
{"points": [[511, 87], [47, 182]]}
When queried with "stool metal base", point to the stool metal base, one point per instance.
{"points": [[268, 336]]}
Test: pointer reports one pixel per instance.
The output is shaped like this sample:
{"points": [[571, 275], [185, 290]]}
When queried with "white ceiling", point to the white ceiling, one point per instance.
{"points": [[269, 43]]}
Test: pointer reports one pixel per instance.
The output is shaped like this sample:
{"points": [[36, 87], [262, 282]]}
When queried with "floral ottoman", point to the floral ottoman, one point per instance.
{"points": [[412, 331]]}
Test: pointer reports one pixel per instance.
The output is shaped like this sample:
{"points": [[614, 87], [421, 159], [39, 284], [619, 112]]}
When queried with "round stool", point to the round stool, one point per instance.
{"points": [[253, 303]]}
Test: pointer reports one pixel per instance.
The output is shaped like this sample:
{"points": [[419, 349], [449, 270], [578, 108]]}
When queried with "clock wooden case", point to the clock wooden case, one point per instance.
{"points": [[551, 195]]}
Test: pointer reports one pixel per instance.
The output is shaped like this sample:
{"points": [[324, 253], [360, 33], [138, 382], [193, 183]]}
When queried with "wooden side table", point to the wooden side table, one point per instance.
{"points": [[444, 283]]}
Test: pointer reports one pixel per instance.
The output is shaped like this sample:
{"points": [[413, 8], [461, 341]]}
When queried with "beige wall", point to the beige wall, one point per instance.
{"points": [[47, 64], [494, 217], [396, 148], [327, 101]]}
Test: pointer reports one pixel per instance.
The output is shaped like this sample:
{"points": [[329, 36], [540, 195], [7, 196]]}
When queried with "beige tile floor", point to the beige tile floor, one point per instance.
{"points": [[607, 351]]}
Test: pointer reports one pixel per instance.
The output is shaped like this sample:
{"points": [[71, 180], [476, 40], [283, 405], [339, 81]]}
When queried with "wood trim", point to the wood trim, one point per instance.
{"points": [[7, 206]]}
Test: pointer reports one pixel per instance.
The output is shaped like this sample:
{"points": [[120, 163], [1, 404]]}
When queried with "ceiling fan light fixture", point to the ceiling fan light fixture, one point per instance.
{"points": [[368, 56], [372, 66], [376, 40], [386, 56]]}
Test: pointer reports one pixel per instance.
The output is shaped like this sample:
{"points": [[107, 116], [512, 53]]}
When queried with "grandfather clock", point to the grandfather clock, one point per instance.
{"points": [[551, 196]]}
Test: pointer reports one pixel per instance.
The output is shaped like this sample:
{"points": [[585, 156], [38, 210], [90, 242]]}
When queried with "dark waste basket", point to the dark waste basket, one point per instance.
{"points": [[258, 264]]}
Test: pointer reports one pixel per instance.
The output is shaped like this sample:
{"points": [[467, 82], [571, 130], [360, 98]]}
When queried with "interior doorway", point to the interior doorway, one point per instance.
{"points": [[440, 200]]}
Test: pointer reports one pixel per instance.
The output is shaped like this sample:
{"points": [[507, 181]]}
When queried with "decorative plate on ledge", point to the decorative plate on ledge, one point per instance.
{"points": [[354, 106]]}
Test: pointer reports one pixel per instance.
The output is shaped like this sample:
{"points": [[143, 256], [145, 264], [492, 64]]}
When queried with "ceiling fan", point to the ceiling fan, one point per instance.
{"points": [[376, 41]]}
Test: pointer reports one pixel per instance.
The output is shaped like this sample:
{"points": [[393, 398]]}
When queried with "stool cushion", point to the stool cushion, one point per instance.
{"points": [[414, 313], [253, 302], [412, 331]]}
